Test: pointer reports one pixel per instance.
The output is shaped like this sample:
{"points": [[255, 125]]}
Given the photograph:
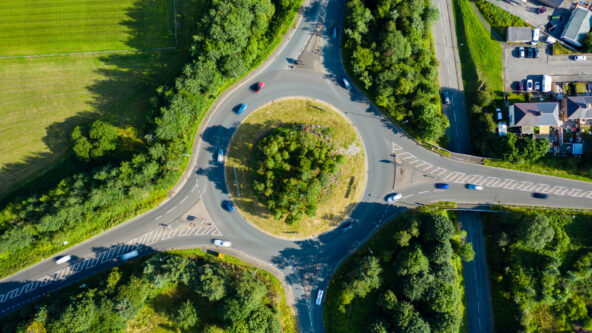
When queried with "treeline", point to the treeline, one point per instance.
{"points": [[191, 293], [231, 38], [405, 280], [387, 46], [291, 167], [541, 268]]}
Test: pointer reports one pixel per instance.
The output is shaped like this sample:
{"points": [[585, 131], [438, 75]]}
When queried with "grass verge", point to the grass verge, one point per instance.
{"points": [[498, 19], [341, 197], [564, 167]]}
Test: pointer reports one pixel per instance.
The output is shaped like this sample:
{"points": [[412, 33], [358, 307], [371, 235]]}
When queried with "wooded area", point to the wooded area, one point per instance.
{"points": [[540, 264], [388, 48], [169, 290], [232, 38], [291, 167], [406, 279]]}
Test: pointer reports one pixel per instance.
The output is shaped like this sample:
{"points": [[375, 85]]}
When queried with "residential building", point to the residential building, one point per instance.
{"points": [[577, 112], [527, 116], [577, 26]]}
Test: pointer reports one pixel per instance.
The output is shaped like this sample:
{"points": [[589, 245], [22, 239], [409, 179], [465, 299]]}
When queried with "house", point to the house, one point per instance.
{"points": [[519, 35], [527, 116], [577, 26], [577, 111]]}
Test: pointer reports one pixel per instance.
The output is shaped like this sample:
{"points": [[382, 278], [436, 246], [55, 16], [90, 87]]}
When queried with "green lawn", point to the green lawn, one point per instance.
{"points": [[30, 27], [43, 98], [498, 18]]}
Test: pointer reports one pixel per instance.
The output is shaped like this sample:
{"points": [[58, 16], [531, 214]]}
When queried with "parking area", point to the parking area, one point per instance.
{"points": [[560, 68]]}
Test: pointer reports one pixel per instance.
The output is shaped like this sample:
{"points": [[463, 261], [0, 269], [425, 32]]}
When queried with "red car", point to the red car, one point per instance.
{"points": [[259, 86]]}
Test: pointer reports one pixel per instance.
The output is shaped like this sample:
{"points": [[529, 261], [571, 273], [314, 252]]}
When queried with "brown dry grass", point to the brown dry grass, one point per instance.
{"points": [[334, 206]]}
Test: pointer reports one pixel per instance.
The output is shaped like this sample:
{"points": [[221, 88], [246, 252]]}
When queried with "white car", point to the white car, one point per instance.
{"points": [[220, 155], [393, 197], [219, 242], [580, 58], [529, 85]]}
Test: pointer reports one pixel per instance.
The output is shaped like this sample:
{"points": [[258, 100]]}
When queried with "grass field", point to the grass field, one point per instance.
{"points": [[43, 98], [31, 27], [335, 206]]}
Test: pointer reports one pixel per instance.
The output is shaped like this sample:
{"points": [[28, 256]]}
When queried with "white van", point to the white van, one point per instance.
{"points": [[536, 33], [63, 259], [319, 297]]}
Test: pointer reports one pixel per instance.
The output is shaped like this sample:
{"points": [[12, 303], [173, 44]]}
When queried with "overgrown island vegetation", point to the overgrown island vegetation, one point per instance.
{"points": [[173, 291], [407, 278], [482, 70], [540, 266], [233, 37], [388, 49], [291, 166]]}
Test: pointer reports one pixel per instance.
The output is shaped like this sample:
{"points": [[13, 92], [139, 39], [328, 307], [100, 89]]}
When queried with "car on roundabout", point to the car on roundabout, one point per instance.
{"points": [[442, 186], [345, 83], [227, 204], [241, 108], [259, 86], [346, 227], [474, 187], [220, 242], [393, 197]]}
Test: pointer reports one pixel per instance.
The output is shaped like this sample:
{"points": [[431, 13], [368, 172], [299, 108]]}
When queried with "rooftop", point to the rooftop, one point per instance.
{"points": [[579, 107], [534, 114], [518, 34], [577, 26]]}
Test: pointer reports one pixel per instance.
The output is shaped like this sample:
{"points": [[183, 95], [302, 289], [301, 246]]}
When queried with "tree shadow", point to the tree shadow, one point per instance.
{"points": [[121, 96]]}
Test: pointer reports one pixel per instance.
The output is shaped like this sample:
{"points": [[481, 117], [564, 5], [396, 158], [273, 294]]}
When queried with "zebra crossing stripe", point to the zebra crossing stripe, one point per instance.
{"points": [[439, 171], [30, 286], [77, 267], [216, 232], [451, 176], [108, 255], [422, 165], [154, 238], [45, 280], [13, 293], [524, 186], [561, 190], [575, 193], [511, 185]]}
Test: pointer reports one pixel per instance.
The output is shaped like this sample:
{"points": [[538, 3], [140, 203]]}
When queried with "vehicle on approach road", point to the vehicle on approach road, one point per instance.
{"points": [[220, 156], [539, 195], [346, 227], [130, 255], [442, 185], [319, 299], [474, 187], [241, 108], [446, 97], [63, 259], [227, 205], [579, 58], [393, 197], [219, 242], [259, 86], [334, 32], [345, 83]]}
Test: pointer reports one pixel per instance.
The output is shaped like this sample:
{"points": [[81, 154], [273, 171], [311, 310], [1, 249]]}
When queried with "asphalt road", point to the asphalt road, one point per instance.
{"points": [[476, 279], [306, 265], [450, 78]]}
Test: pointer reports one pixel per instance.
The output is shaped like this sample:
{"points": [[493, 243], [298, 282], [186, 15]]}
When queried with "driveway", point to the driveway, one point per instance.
{"points": [[561, 68]]}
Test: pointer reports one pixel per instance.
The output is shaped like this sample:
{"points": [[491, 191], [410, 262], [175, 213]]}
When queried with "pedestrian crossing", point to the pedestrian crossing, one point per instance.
{"points": [[198, 227], [486, 181]]}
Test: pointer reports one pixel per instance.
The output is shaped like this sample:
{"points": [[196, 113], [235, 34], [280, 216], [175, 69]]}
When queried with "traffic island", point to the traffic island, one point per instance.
{"points": [[342, 179]]}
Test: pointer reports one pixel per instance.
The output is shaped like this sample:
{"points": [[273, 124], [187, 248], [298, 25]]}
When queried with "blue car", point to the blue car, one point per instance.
{"points": [[539, 195], [241, 108], [442, 186], [345, 83], [227, 205]]}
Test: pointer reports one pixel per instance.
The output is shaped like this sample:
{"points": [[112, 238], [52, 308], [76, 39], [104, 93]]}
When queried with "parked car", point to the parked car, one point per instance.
{"points": [[219, 242], [474, 187], [530, 52], [528, 85], [227, 205], [520, 85], [579, 58], [220, 156], [393, 197], [536, 52], [346, 227], [445, 97], [521, 52], [537, 86], [442, 185], [345, 83], [259, 86], [241, 108], [499, 113], [539, 195]]}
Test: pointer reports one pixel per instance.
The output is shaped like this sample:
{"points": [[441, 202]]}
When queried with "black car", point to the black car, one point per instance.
{"points": [[530, 52], [536, 52], [539, 195]]}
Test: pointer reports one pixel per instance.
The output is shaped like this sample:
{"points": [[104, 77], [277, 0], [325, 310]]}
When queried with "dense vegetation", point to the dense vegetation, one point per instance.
{"points": [[291, 166], [498, 19], [232, 38], [406, 279], [387, 47], [180, 291], [540, 264]]}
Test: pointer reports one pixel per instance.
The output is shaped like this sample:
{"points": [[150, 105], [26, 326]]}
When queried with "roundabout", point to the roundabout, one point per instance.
{"points": [[338, 195]]}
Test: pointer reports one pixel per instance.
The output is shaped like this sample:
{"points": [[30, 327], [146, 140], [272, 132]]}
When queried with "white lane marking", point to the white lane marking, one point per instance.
{"points": [[439, 190], [183, 200], [170, 210], [158, 218], [194, 187], [396, 147], [422, 192], [408, 196]]}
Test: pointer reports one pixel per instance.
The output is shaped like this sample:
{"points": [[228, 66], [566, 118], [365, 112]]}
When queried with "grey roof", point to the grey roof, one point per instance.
{"points": [[577, 27], [552, 3], [534, 114], [518, 34], [579, 107]]}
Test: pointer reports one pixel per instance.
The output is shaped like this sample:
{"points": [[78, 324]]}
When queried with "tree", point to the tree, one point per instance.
{"points": [[537, 232], [186, 315], [210, 284], [466, 252], [411, 260], [437, 228], [367, 278], [102, 138], [587, 43]]}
